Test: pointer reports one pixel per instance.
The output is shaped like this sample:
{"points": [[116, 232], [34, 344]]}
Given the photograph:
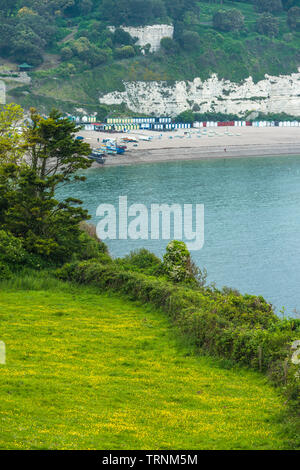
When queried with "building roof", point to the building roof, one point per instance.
{"points": [[25, 66]]}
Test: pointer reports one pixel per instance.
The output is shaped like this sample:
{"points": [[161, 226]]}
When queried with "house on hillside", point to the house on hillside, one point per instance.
{"points": [[25, 67]]}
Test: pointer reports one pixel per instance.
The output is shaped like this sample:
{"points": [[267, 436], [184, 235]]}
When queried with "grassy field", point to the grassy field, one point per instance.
{"points": [[95, 371]]}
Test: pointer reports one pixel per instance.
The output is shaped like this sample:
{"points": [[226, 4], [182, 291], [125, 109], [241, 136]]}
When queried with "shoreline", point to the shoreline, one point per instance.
{"points": [[198, 144], [164, 155]]}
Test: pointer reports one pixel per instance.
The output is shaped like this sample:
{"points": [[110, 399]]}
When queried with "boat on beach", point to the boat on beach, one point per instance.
{"points": [[97, 156], [111, 147], [129, 139]]}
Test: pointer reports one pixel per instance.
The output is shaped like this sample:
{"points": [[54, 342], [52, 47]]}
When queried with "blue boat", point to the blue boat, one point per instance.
{"points": [[97, 156], [111, 151]]}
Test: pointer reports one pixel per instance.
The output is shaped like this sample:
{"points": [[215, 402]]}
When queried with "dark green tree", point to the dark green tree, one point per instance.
{"points": [[52, 148], [158, 9], [122, 38], [270, 6], [287, 4], [139, 12], [41, 26], [125, 52], [293, 18], [228, 20], [7, 7], [177, 8], [48, 7], [66, 53], [28, 207], [185, 116], [190, 40], [267, 24], [85, 6], [169, 46], [95, 56]]}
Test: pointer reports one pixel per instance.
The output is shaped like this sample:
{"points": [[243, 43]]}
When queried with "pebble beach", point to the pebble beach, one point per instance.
{"points": [[195, 144]]}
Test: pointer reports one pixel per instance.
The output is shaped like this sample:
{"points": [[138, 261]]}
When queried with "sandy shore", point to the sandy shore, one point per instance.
{"points": [[221, 142]]}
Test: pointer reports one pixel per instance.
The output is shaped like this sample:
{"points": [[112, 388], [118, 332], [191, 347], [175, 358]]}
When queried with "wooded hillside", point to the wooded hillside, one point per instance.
{"points": [[75, 56]]}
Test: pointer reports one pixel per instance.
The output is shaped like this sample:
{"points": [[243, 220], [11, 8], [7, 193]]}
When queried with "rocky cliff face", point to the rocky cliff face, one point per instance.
{"points": [[271, 95], [149, 34]]}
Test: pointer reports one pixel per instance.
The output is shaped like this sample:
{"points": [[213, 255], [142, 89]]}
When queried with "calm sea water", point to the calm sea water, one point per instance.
{"points": [[252, 217]]}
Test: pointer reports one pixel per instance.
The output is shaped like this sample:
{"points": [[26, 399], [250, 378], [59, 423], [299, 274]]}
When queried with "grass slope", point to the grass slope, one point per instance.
{"points": [[97, 371]]}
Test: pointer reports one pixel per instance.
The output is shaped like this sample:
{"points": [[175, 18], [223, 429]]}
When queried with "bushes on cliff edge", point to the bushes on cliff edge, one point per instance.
{"points": [[141, 261], [5, 272], [179, 266], [11, 249]]}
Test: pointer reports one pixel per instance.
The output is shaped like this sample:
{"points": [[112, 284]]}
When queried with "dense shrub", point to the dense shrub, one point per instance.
{"points": [[122, 38], [134, 12], [179, 266], [268, 25], [176, 261], [14, 256], [270, 6], [96, 56], [185, 116], [124, 52], [90, 230], [293, 18], [66, 53], [228, 20], [90, 248], [142, 261], [237, 309], [5, 272], [169, 46], [190, 40], [190, 116]]}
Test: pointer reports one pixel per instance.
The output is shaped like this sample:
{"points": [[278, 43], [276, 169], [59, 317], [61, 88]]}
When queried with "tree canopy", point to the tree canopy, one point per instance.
{"points": [[267, 24], [228, 20], [293, 18], [29, 209], [270, 6], [11, 140]]}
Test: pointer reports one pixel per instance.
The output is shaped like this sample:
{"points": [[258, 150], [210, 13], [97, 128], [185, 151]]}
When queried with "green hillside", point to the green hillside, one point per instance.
{"points": [[95, 371], [75, 56], [123, 353]]}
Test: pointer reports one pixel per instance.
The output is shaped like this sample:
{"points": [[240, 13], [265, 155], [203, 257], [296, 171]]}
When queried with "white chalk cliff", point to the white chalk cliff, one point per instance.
{"points": [[271, 95], [152, 34]]}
